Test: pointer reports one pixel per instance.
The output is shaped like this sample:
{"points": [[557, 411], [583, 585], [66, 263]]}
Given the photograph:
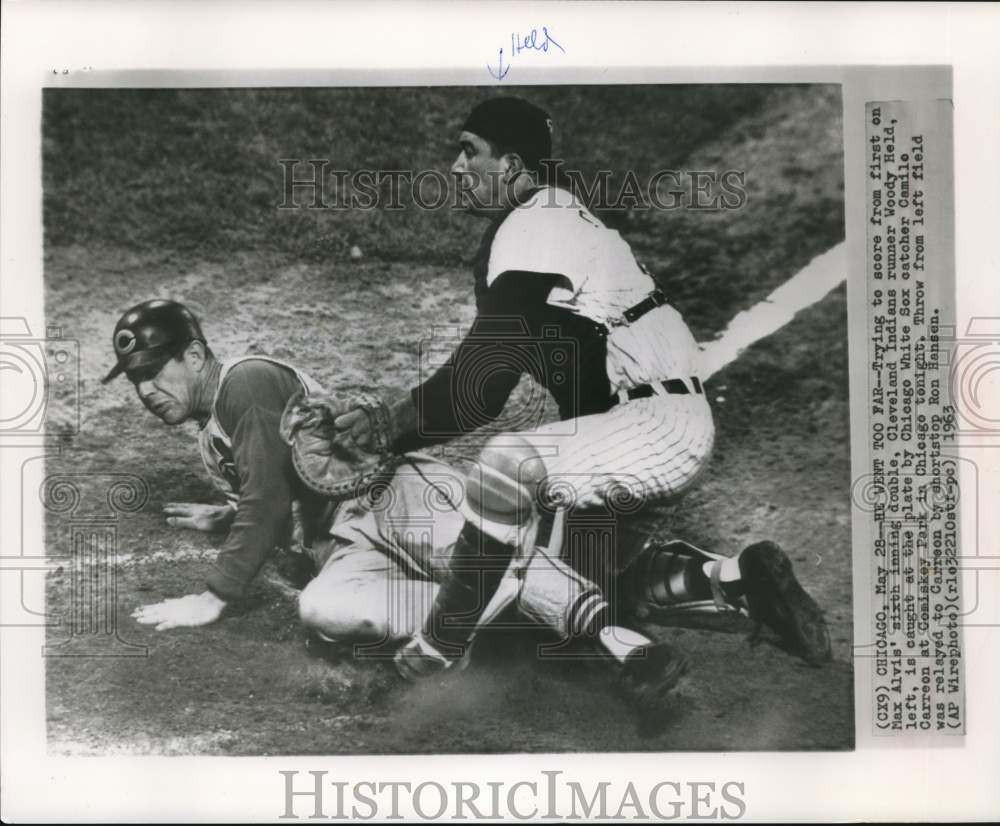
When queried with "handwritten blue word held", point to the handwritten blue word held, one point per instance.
{"points": [[531, 42]]}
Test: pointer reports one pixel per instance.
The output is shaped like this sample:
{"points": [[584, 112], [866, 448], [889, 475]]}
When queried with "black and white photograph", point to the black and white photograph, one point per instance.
{"points": [[445, 420], [560, 412]]}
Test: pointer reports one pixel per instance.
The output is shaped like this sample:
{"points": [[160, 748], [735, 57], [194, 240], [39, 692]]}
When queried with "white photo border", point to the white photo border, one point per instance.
{"points": [[307, 43]]}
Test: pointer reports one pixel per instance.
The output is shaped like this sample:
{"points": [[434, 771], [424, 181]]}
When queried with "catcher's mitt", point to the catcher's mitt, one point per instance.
{"points": [[329, 461]]}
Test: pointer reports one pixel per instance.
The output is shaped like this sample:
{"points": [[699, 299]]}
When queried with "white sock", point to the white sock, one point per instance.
{"points": [[730, 571], [620, 642]]}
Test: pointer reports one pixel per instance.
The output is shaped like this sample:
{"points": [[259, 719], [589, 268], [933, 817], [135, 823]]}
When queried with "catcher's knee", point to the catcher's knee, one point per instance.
{"points": [[503, 486]]}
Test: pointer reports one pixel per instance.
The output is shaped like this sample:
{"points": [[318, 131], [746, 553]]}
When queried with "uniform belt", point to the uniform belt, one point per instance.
{"points": [[651, 302], [644, 391]]}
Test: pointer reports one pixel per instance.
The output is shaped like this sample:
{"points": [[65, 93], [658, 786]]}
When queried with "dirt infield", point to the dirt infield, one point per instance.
{"points": [[249, 685]]}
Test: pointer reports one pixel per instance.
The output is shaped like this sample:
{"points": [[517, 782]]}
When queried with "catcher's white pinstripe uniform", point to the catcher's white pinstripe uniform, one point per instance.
{"points": [[659, 442]]}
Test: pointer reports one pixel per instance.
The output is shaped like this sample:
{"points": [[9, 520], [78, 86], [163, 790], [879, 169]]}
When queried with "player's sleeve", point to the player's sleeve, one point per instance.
{"points": [[471, 388], [249, 409], [552, 234]]}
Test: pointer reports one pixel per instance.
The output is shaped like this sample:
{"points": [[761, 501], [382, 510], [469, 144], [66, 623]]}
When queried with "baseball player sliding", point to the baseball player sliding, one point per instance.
{"points": [[161, 349], [376, 557], [639, 419]]}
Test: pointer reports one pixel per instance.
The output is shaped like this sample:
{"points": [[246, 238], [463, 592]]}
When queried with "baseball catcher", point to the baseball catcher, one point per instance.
{"points": [[551, 280]]}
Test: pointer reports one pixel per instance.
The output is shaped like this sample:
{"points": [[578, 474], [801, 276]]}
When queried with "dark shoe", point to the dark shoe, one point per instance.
{"points": [[776, 599], [649, 674]]}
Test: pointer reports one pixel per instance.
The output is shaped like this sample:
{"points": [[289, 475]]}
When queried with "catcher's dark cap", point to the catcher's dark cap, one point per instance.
{"points": [[151, 333], [516, 125]]}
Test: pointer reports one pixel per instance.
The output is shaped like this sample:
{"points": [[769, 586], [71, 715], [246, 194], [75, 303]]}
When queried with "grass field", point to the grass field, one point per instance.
{"points": [[175, 193]]}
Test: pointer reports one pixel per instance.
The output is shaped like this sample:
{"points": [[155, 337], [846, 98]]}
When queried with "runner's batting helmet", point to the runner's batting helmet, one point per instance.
{"points": [[150, 333]]}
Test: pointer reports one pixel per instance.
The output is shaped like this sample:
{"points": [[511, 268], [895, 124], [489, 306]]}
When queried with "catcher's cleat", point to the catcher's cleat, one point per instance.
{"points": [[666, 582], [418, 659], [776, 599], [649, 674]]}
